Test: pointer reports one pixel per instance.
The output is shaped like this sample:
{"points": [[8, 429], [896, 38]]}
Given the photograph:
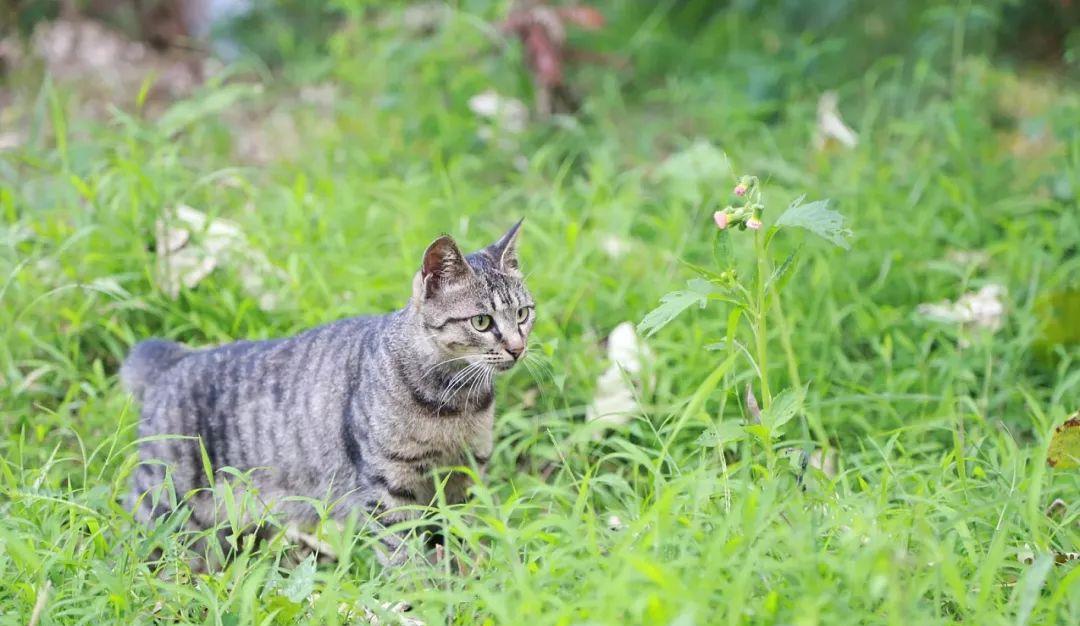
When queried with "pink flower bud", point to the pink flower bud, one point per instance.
{"points": [[721, 219], [740, 189], [753, 223]]}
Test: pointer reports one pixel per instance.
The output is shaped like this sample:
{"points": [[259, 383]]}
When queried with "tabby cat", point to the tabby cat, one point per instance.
{"points": [[358, 412]]}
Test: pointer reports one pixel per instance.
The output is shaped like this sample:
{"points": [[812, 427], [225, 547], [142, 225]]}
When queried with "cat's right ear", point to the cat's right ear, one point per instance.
{"points": [[443, 265]]}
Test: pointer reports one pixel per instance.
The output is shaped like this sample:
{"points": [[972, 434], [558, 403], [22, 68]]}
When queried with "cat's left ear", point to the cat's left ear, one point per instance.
{"points": [[505, 250]]}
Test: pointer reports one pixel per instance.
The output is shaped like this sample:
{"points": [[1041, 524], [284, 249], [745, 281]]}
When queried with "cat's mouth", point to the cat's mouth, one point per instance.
{"points": [[503, 366]]}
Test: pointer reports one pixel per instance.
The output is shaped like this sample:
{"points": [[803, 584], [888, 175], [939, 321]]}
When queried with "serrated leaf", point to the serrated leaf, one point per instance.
{"points": [[783, 408], [301, 581], [819, 219], [722, 433], [1064, 451], [674, 303]]}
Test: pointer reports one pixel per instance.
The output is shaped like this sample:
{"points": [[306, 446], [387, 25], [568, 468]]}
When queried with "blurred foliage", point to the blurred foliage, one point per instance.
{"points": [[787, 32]]}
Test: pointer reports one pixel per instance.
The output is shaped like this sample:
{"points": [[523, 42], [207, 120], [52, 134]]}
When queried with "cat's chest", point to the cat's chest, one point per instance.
{"points": [[442, 439]]}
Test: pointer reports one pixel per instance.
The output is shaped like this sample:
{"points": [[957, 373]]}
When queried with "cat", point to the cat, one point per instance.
{"points": [[358, 412]]}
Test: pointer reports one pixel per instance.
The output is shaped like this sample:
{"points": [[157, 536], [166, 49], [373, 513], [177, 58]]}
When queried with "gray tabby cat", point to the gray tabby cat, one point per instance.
{"points": [[358, 412]]}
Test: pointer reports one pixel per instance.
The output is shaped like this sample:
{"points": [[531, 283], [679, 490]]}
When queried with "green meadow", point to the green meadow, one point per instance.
{"points": [[903, 477]]}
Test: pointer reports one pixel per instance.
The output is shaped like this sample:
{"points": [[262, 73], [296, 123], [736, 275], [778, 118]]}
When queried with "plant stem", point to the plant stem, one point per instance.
{"points": [[760, 326]]}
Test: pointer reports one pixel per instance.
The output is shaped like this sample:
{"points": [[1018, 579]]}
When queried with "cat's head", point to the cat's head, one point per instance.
{"points": [[475, 307]]}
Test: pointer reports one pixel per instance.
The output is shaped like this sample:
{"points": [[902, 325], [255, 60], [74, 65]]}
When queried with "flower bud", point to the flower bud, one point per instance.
{"points": [[753, 223], [740, 189], [721, 219]]}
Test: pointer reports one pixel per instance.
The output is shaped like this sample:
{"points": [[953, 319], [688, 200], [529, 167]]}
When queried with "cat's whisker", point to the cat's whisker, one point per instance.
{"points": [[539, 363], [468, 375], [483, 380], [459, 378], [441, 363], [536, 379], [476, 370]]}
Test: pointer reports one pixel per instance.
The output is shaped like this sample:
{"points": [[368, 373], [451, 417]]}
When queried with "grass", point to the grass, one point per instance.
{"points": [[941, 435]]}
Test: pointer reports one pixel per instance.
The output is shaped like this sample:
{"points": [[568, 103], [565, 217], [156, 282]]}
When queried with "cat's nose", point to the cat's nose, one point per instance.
{"points": [[515, 350]]}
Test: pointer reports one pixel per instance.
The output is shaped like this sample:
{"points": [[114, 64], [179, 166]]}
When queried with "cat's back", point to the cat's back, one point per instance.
{"points": [[233, 371]]}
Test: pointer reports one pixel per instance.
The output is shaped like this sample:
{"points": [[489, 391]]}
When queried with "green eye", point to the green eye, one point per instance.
{"points": [[480, 322], [523, 314]]}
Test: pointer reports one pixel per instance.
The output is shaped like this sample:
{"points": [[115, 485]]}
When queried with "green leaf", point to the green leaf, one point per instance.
{"points": [[187, 112], [759, 431], [722, 433], [301, 581], [1064, 451], [693, 174], [1030, 587], [783, 408], [781, 274], [702, 271], [819, 219], [675, 303]]}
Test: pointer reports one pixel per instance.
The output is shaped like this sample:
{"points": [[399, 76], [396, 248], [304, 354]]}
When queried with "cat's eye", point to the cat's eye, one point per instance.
{"points": [[523, 315], [481, 322]]}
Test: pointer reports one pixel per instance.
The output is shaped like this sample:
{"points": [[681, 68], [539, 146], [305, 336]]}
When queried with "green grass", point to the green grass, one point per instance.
{"points": [[941, 439]]}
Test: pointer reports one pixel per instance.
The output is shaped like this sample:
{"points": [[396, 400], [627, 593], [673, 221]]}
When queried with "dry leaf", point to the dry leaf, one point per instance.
{"points": [[981, 309], [615, 399], [399, 609], [1027, 556], [825, 462], [1057, 508], [190, 246], [528, 399], [353, 614], [752, 406], [1064, 451], [830, 127], [508, 114]]}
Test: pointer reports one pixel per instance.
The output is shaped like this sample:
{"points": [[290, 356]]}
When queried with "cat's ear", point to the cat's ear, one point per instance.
{"points": [[504, 251], [443, 264]]}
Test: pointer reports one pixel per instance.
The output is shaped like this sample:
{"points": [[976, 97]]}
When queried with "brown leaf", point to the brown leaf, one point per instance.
{"points": [[1057, 508], [1064, 451], [752, 406]]}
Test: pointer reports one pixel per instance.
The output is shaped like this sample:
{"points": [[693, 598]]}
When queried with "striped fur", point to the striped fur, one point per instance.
{"points": [[357, 412]]}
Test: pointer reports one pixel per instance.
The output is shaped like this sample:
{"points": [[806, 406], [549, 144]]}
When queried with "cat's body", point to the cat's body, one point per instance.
{"points": [[356, 413]]}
